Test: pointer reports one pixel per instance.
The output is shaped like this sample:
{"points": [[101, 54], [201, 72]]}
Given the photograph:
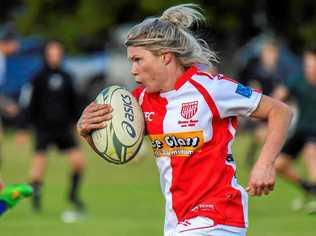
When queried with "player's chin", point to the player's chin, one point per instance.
{"points": [[151, 89]]}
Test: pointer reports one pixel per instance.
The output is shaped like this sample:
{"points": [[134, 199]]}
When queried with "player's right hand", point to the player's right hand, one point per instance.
{"points": [[93, 117], [262, 179]]}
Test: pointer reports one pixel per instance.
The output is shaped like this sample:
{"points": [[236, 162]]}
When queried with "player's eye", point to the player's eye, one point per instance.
{"points": [[137, 60]]}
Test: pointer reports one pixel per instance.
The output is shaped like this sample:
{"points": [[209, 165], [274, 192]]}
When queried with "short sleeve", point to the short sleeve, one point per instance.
{"points": [[232, 98]]}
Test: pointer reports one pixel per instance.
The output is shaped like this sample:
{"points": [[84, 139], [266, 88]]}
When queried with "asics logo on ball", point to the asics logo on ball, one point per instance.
{"points": [[129, 129], [128, 115]]}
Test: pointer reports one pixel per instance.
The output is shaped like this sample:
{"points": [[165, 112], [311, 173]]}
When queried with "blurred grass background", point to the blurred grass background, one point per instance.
{"points": [[126, 200]]}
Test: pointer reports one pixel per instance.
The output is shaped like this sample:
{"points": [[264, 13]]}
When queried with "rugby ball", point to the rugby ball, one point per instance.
{"points": [[123, 135]]}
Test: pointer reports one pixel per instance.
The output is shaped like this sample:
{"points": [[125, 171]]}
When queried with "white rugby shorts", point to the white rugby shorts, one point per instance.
{"points": [[203, 226]]}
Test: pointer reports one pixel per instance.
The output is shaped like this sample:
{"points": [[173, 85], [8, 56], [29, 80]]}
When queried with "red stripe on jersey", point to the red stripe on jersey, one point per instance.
{"points": [[210, 102], [185, 77], [209, 194], [156, 105], [137, 92]]}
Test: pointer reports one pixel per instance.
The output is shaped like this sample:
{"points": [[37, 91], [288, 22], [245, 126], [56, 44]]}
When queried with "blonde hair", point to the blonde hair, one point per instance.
{"points": [[171, 33]]}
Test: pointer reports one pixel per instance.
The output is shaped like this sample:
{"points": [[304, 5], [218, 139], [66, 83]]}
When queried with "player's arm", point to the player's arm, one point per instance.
{"points": [[278, 115], [93, 117]]}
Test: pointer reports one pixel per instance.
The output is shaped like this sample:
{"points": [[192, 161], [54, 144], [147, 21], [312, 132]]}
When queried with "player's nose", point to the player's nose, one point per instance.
{"points": [[134, 70]]}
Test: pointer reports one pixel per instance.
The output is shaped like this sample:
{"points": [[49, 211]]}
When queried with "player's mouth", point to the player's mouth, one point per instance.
{"points": [[140, 84]]}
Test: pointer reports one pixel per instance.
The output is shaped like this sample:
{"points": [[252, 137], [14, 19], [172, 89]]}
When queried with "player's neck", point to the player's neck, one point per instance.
{"points": [[174, 72]]}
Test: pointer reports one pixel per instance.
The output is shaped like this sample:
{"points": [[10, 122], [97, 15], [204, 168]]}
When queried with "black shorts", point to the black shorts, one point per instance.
{"points": [[62, 139], [296, 142]]}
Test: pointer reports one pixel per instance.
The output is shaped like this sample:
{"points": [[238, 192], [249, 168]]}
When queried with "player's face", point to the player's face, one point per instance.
{"points": [[148, 69], [269, 56], [54, 54], [310, 67]]}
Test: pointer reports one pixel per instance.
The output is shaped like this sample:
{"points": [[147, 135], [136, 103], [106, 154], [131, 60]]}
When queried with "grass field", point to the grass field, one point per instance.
{"points": [[126, 200]]}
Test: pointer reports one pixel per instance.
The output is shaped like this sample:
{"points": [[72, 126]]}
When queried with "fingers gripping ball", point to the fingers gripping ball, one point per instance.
{"points": [[123, 135]]}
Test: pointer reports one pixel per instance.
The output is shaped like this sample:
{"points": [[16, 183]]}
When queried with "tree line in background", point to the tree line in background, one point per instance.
{"points": [[86, 24]]}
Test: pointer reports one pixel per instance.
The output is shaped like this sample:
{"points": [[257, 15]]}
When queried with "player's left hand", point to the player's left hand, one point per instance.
{"points": [[262, 179]]}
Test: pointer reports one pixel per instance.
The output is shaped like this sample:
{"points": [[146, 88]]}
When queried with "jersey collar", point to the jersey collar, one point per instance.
{"points": [[185, 76]]}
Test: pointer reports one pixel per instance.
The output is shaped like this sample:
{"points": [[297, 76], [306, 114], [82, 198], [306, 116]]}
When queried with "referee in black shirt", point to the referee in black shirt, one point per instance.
{"points": [[51, 107]]}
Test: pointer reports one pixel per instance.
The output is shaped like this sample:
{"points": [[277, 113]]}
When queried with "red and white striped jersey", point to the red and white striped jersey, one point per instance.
{"points": [[192, 129]]}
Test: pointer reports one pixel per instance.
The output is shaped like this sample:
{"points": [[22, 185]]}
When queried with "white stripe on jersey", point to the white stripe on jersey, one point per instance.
{"points": [[141, 97], [171, 220], [244, 198]]}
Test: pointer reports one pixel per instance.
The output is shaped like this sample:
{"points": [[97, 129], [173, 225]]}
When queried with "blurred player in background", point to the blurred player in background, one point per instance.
{"points": [[261, 72], [51, 106], [191, 118], [303, 139]]}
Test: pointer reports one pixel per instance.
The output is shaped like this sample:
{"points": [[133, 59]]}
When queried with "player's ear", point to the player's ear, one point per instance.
{"points": [[166, 57]]}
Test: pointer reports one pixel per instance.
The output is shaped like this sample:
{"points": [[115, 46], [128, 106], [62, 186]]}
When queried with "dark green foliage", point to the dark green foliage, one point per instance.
{"points": [[86, 24]]}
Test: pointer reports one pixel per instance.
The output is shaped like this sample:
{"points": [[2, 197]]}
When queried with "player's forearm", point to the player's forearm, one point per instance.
{"points": [[279, 119]]}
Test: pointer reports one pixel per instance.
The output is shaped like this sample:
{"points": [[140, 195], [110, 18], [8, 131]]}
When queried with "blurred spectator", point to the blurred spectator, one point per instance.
{"points": [[51, 106], [8, 45], [303, 140]]}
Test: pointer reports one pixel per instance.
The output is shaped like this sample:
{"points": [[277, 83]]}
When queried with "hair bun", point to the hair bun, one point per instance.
{"points": [[184, 15]]}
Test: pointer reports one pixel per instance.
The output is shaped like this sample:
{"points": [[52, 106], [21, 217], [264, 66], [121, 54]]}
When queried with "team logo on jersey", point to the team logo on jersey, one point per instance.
{"points": [[244, 90], [189, 109]]}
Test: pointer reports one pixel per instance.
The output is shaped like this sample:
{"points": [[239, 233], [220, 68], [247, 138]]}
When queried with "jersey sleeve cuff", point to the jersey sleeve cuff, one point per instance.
{"points": [[256, 102]]}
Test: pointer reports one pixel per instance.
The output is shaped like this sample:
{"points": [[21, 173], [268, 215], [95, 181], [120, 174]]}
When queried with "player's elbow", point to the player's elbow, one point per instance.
{"points": [[284, 111]]}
